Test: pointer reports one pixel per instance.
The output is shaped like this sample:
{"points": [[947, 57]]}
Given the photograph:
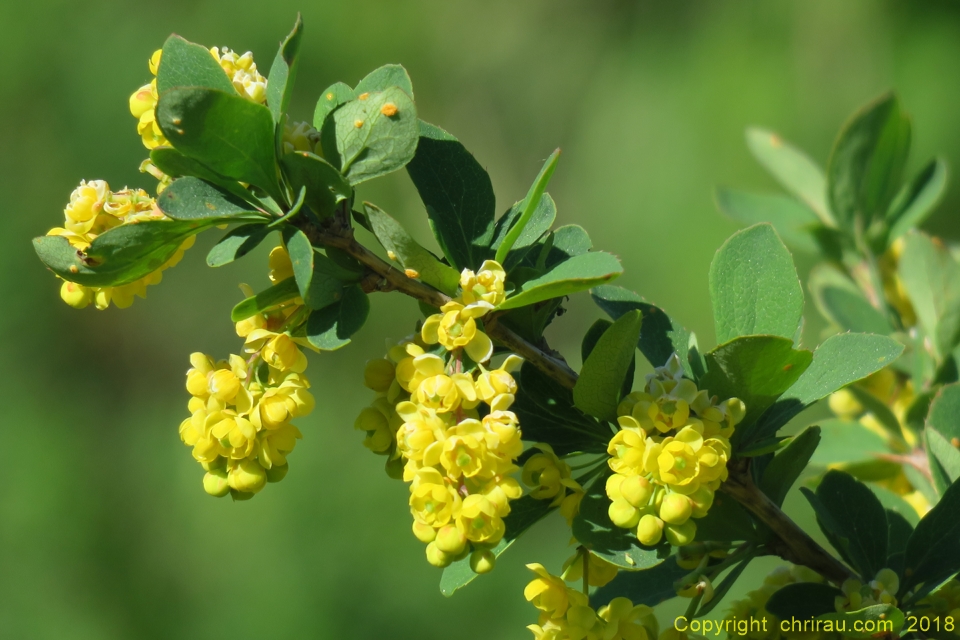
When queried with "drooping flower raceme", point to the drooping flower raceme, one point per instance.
{"points": [[443, 420], [669, 456], [93, 209]]}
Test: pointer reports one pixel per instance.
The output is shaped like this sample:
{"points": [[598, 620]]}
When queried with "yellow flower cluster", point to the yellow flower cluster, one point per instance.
{"points": [[566, 614], [241, 69], [241, 408], [761, 624], [445, 421], [93, 209], [896, 392], [881, 590], [549, 478], [669, 456]]}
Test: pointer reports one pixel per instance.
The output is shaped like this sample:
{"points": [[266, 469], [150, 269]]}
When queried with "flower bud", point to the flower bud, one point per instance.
{"points": [[675, 509], [379, 374], [436, 557], [248, 477], [482, 561], [623, 514], [680, 534], [636, 490], [424, 532], [702, 500], [215, 483], [649, 530], [239, 496], [451, 540], [76, 295]]}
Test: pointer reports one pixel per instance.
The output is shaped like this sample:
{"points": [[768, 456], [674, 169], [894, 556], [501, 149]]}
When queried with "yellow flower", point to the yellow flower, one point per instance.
{"points": [[274, 445], [627, 448], [285, 401], [432, 501], [300, 136], [246, 476], [277, 349], [543, 472], [242, 71], [464, 450], [484, 290], [492, 384], [456, 328], [480, 521], [624, 621], [547, 592], [279, 263], [600, 573]]}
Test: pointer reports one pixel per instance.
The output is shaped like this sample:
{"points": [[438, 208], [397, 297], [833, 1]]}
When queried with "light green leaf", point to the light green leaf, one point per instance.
{"points": [[846, 441], [839, 361], [409, 253], [883, 414], [944, 459], [756, 369], [281, 292], [576, 274], [842, 302], [330, 328], [120, 255], [793, 221], [793, 169], [325, 186], [931, 278], [599, 386], [594, 530], [389, 75], [317, 287], [754, 286], [237, 243], [334, 96], [457, 194], [190, 198], [184, 64], [867, 161], [541, 221], [376, 135], [917, 199], [528, 206], [524, 513], [283, 73], [787, 465], [229, 134]]}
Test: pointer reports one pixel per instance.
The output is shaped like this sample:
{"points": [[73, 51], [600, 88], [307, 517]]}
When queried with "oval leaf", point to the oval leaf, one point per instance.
{"points": [[576, 274], [601, 380]]}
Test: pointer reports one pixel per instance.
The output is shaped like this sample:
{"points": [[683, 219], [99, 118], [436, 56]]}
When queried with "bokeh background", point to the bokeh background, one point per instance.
{"points": [[105, 532]]}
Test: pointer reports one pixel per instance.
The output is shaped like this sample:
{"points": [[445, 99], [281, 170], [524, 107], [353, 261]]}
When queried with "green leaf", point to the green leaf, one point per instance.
{"points": [[389, 75], [756, 369], [793, 221], [176, 165], [395, 239], [787, 465], [567, 241], [318, 287], [857, 522], [281, 292], [726, 521], [457, 194], [237, 243], [660, 335], [898, 535], [231, 135], [528, 206], [598, 388], [917, 199], [524, 513], [184, 64], [193, 199], [590, 339], [931, 278], [880, 411], [335, 95], [793, 169], [944, 459], [540, 223], [548, 415], [120, 255], [648, 586], [803, 600], [839, 361], [845, 441], [330, 328], [283, 73], [377, 135], [754, 286], [933, 551], [944, 412], [593, 529], [842, 302], [325, 186], [867, 161], [877, 621], [576, 274]]}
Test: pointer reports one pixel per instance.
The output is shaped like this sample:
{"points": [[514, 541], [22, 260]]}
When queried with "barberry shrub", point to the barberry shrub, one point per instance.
{"points": [[669, 487]]}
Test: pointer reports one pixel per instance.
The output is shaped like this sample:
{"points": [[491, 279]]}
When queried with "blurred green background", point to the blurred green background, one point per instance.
{"points": [[105, 532]]}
